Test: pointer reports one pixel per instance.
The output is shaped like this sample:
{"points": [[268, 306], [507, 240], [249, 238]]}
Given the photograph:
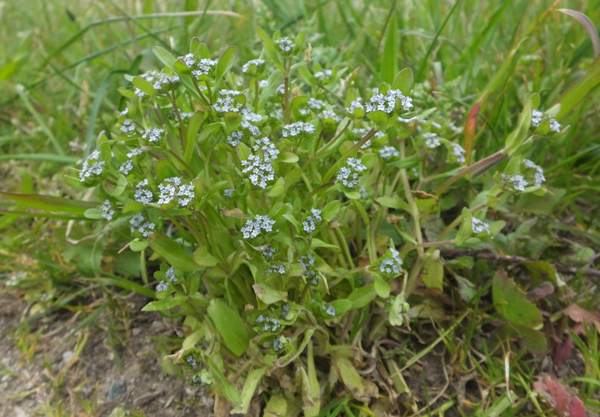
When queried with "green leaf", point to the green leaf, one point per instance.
{"points": [[350, 377], [404, 80], [332, 210], [394, 202], [276, 407], [277, 189], [433, 271], [341, 306], [49, 203], [230, 326], [252, 381], [164, 304], [222, 384], [318, 243], [311, 391], [225, 62], [202, 257], [390, 52], [268, 295], [382, 288], [174, 254], [512, 303], [164, 56], [362, 296]]}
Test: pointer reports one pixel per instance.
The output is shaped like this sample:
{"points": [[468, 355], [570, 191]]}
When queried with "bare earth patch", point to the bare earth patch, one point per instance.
{"points": [[51, 370]]}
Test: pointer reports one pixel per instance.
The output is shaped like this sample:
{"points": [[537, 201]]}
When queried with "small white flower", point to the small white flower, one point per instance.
{"points": [[171, 276], [538, 172], [107, 211], [330, 310], [259, 224], [252, 63], [153, 134], [92, 166], [391, 264], [517, 182], [162, 286], [388, 152], [329, 114], [139, 224], [310, 223], [348, 175], [555, 126], [323, 75], [432, 140], [259, 169], [188, 60], [458, 152], [285, 45], [297, 128], [268, 252], [126, 167], [387, 102], [277, 268], [226, 102], [536, 118], [263, 83], [479, 226], [134, 152], [142, 193], [173, 188], [234, 138], [228, 192], [315, 104], [203, 67], [355, 105], [128, 126]]}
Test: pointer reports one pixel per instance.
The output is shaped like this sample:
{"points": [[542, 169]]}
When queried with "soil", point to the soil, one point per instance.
{"points": [[41, 373]]}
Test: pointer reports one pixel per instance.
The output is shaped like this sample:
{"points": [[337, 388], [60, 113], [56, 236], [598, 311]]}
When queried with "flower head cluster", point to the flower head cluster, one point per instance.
{"points": [[268, 252], [387, 102], [106, 210], [316, 104], [285, 45], [517, 182], [538, 172], [248, 122], [92, 166], [458, 153], [277, 268], [143, 194], [173, 188], [199, 68], [310, 223], [297, 128], [355, 105], [139, 224], [391, 264], [388, 152], [479, 226], [153, 135], [259, 224], [348, 175], [226, 102], [253, 64], [159, 80], [268, 324], [234, 138], [323, 75], [432, 140], [259, 164], [537, 117], [127, 126]]}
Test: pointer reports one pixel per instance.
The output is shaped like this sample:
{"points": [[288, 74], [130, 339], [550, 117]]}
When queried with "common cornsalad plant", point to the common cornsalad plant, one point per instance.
{"points": [[291, 214]]}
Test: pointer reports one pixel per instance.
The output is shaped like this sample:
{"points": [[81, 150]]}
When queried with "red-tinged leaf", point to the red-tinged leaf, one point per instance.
{"points": [[565, 403], [562, 351], [470, 129], [581, 315]]}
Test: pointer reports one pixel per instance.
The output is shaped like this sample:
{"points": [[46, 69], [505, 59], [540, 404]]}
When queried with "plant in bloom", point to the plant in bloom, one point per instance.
{"points": [[270, 200]]}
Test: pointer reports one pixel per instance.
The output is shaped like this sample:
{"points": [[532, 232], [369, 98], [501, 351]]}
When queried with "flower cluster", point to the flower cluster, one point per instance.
{"points": [[153, 135], [143, 194], [479, 226], [310, 223], [391, 264], [139, 224], [174, 188], [92, 166], [387, 102], [259, 224], [537, 117], [297, 128], [259, 164], [538, 172], [226, 103], [106, 210], [349, 174], [388, 152], [268, 324]]}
